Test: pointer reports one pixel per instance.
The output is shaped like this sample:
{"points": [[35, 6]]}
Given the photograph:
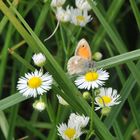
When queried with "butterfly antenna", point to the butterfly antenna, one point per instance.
{"points": [[53, 31]]}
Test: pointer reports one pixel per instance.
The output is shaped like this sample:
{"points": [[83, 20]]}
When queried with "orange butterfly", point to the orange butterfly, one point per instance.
{"points": [[82, 60]]}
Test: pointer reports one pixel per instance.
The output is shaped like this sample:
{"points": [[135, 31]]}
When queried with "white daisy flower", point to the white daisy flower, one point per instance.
{"points": [[69, 132], [92, 79], [82, 4], [61, 100], [106, 98], [34, 83], [79, 17], [57, 3], [63, 15], [39, 105], [39, 59], [79, 120]]}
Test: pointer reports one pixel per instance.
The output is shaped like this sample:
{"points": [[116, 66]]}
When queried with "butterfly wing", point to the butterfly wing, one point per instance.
{"points": [[82, 60], [83, 50], [77, 65]]}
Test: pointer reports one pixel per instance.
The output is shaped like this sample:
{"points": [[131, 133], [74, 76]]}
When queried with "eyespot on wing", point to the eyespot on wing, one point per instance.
{"points": [[83, 49]]}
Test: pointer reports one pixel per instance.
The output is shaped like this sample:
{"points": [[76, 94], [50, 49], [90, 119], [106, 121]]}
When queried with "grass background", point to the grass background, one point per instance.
{"points": [[114, 31]]}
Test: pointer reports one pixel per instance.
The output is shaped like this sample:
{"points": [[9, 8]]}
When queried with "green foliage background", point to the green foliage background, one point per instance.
{"points": [[114, 31]]}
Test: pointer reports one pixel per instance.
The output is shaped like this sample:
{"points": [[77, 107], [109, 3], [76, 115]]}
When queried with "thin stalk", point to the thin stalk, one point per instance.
{"points": [[48, 109], [91, 129], [20, 59], [18, 45], [92, 113], [58, 23]]}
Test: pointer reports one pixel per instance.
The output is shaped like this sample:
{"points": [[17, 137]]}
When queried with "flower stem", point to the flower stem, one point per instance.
{"points": [[101, 117], [92, 112], [58, 23], [91, 129]]}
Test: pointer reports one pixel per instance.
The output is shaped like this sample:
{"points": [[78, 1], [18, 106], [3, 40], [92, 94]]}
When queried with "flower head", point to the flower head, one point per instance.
{"points": [[39, 105], [73, 131], [39, 59], [57, 3], [62, 101], [82, 4], [106, 98], [92, 79], [63, 15], [69, 132], [34, 83], [80, 121], [79, 17]]}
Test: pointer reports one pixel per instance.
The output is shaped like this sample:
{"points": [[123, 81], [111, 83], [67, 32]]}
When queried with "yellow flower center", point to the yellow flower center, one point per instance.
{"points": [[70, 132], [105, 100], [91, 76], [34, 82], [80, 18]]}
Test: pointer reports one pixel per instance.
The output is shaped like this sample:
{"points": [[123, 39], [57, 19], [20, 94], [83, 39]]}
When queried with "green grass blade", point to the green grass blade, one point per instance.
{"points": [[110, 16], [3, 24], [42, 18], [14, 109], [21, 60], [129, 130], [117, 131], [30, 128], [4, 56], [136, 12], [4, 125], [15, 22], [120, 59], [134, 111], [11, 100]]}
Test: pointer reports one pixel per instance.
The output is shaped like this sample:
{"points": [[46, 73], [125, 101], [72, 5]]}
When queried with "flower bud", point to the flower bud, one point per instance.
{"points": [[86, 95], [105, 111], [97, 56], [39, 105], [39, 59], [61, 100], [57, 3]]}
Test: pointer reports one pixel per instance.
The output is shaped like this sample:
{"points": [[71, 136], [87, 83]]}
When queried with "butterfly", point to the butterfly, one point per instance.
{"points": [[82, 61]]}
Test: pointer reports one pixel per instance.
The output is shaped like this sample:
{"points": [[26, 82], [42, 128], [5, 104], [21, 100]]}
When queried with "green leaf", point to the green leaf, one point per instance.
{"points": [[4, 125], [11, 100], [111, 15], [136, 12], [119, 59]]}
